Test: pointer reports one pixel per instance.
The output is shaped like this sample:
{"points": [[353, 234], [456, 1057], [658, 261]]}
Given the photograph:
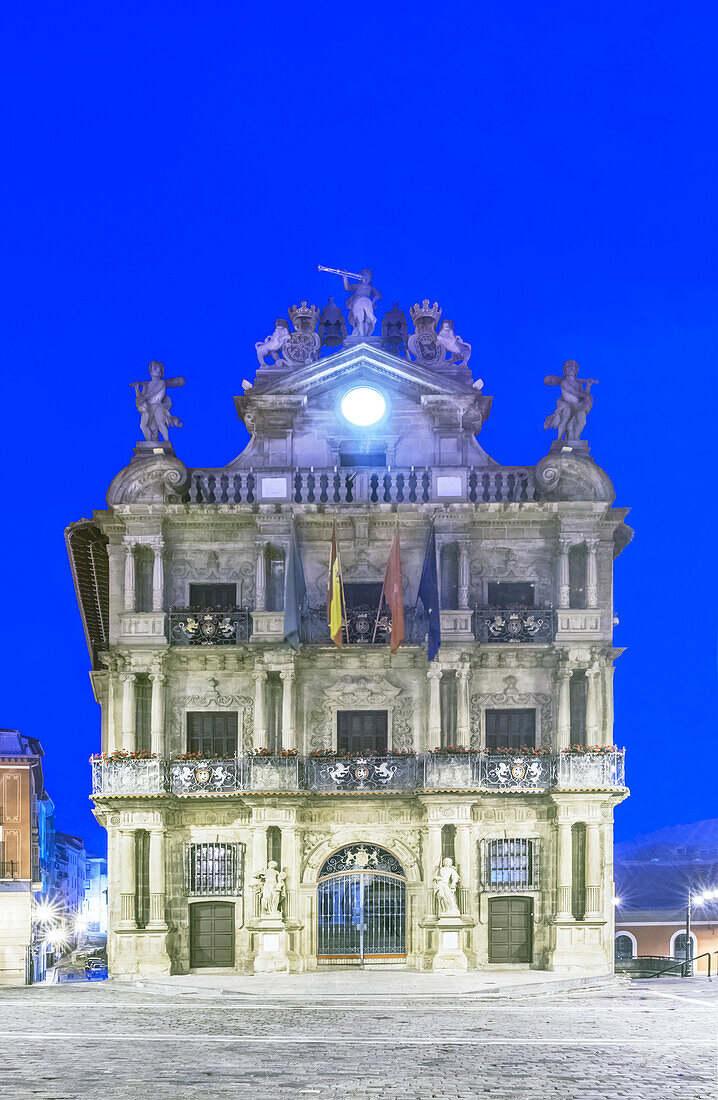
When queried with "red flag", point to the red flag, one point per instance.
{"points": [[394, 595]]}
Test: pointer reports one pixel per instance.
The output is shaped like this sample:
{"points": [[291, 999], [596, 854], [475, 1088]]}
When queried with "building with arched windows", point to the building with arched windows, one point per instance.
{"points": [[275, 806]]}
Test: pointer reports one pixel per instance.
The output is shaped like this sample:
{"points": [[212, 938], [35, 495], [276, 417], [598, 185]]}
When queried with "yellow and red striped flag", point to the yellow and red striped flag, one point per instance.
{"points": [[334, 592]]}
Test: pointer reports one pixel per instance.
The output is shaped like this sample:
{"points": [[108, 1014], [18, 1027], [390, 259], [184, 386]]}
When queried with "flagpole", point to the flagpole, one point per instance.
{"points": [[341, 584], [378, 613]]}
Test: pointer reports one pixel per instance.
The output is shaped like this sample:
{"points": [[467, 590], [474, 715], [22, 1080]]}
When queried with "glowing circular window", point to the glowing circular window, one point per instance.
{"points": [[363, 406]]}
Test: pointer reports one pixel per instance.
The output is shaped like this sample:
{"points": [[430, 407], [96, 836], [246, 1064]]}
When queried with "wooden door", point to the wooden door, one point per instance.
{"points": [[211, 933], [510, 930]]}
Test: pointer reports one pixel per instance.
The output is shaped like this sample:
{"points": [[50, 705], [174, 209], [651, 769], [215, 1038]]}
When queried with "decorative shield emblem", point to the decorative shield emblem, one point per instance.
{"points": [[425, 348], [518, 771], [302, 348], [202, 775], [361, 772]]}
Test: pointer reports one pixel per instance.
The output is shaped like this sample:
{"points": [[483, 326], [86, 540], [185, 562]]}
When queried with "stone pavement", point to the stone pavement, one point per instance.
{"points": [[647, 1041]]}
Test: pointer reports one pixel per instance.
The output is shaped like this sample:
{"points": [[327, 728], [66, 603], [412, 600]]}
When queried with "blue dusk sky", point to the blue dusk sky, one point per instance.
{"points": [[174, 173]]}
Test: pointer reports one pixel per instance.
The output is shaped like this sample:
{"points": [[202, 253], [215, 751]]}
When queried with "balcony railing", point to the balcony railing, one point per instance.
{"points": [[360, 626], [365, 485], [524, 625], [9, 870], [471, 771], [192, 626]]}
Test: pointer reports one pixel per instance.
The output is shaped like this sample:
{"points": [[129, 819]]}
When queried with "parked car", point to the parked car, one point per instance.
{"points": [[96, 970]]}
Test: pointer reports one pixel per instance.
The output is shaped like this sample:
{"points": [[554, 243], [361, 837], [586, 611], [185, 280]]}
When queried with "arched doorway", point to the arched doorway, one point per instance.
{"points": [[361, 905]]}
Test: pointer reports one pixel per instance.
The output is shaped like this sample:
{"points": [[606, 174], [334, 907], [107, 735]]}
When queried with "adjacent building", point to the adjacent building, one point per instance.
{"points": [[656, 875], [70, 876], [94, 908], [272, 806], [20, 873]]}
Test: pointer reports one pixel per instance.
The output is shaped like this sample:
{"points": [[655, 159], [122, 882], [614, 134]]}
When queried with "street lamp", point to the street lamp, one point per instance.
{"points": [[698, 899]]}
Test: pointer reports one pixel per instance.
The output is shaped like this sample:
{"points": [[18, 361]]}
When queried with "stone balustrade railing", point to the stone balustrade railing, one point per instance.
{"points": [[363, 485], [471, 771]]}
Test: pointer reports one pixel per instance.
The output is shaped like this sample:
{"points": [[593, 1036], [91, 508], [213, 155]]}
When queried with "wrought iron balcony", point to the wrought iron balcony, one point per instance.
{"points": [[9, 870], [360, 626], [471, 771], [193, 626], [514, 625]]}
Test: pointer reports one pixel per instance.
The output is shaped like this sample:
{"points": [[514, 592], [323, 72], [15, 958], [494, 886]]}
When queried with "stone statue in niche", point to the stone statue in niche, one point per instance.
{"points": [[394, 331], [446, 880], [271, 886], [459, 351], [332, 326], [153, 403], [573, 405], [274, 344]]}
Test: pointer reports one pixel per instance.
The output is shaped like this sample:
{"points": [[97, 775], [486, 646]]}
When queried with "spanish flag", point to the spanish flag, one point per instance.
{"points": [[334, 592]]}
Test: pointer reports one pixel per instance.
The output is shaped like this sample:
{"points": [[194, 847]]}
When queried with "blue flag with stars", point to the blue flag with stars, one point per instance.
{"points": [[429, 595]]}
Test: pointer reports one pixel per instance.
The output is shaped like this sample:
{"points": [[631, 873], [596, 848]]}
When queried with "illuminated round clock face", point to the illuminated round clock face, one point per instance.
{"points": [[363, 406]]}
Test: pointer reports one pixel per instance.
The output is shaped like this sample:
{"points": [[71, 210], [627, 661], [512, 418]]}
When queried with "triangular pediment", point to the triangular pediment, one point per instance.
{"points": [[362, 360]]}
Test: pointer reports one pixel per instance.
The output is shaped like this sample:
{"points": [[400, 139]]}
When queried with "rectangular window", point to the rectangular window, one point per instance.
{"points": [[213, 733], [363, 594], [511, 594], [215, 868], [448, 702], [142, 877], [362, 731], [273, 706], [578, 849], [510, 729], [512, 864], [213, 597], [144, 564], [578, 697], [143, 705], [577, 576]]}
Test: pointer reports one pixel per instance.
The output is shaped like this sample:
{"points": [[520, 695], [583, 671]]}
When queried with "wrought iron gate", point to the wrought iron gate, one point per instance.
{"points": [[361, 906]]}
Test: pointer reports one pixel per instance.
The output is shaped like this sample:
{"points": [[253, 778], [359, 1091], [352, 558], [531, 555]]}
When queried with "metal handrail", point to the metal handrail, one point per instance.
{"points": [[685, 964]]}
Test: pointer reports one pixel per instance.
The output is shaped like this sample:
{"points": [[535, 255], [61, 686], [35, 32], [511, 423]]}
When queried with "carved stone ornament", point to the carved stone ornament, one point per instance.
{"points": [[508, 698], [572, 477], [160, 479], [304, 343], [214, 699], [423, 344], [357, 693]]}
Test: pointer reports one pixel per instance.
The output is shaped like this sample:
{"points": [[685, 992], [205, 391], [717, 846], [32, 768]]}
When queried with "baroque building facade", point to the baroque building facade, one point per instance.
{"points": [[271, 807]]}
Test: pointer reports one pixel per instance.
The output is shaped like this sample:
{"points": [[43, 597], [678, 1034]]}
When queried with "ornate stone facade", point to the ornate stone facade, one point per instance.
{"points": [[229, 755]]}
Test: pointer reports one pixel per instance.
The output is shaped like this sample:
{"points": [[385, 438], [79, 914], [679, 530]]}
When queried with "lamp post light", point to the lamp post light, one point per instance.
{"points": [[697, 899]]}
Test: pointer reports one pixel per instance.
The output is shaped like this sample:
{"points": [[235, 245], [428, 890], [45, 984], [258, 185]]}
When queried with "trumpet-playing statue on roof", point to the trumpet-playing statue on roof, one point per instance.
{"points": [[362, 302], [153, 404], [573, 405]]}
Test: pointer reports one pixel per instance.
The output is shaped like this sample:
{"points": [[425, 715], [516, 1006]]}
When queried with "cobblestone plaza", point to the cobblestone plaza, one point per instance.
{"points": [[646, 1041]]}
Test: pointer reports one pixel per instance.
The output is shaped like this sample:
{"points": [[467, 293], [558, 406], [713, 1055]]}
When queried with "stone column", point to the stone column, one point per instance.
{"points": [[591, 572], [464, 847], [110, 704], [592, 704], [593, 870], [463, 676], [129, 576], [433, 860], [259, 860], [260, 732], [157, 712], [564, 707], [564, 857], [564, 591], [128, 904], [128, 710], [287, 678], [463, 576], [608, 674], [434, 675], [157, 879], [158, 577], [261, 581]]}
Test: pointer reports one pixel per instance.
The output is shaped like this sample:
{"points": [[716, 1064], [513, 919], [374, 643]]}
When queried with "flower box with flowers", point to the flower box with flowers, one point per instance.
{"points": [[590, 750]]}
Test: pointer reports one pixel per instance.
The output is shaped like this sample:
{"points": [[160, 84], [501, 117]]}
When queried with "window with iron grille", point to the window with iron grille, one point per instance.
{"points": [[214, 868], [511, 864]]}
